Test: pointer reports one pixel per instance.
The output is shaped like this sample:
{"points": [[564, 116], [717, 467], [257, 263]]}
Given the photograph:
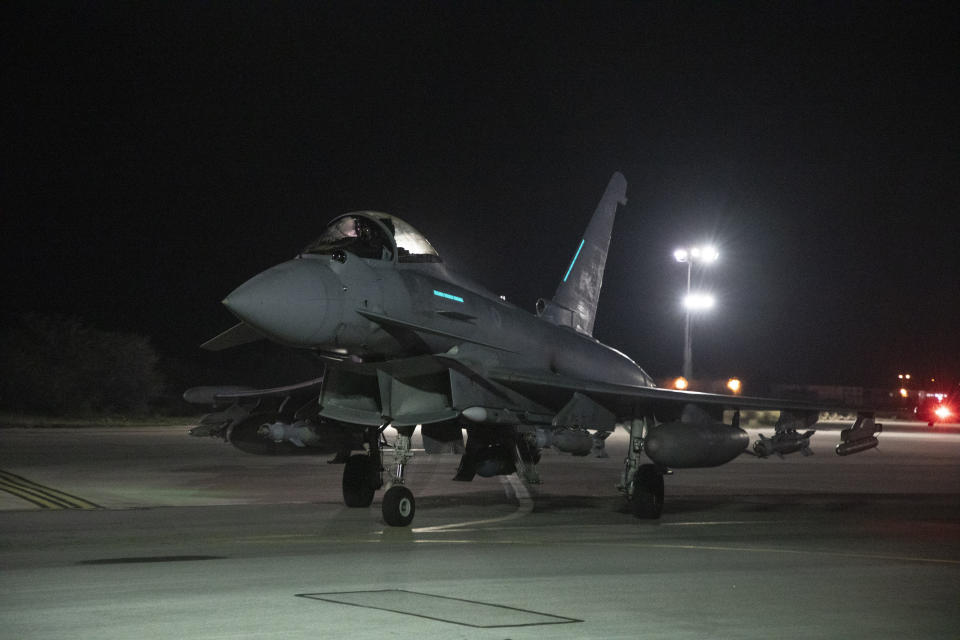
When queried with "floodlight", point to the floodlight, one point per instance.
{"points": [[699, 301]]}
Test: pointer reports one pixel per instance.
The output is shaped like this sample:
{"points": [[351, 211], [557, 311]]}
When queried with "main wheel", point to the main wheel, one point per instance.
{"points": [[647, 499], [398, 506], [358, 486]]}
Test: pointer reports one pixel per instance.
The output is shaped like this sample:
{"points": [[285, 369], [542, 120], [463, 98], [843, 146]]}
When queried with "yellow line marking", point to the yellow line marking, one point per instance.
{"points": [[45, 497], [73, 501], [29, 497]]}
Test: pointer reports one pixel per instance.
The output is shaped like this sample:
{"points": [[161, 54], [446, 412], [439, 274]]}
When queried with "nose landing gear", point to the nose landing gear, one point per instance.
{"points": [[363, 476]]}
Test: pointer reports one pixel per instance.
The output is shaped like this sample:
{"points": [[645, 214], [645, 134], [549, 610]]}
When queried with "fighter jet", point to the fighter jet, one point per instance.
{"points": [[409, 343]]}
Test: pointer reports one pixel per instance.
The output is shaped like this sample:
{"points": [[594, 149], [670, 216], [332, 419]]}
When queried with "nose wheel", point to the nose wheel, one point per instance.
{"points": [[398, 506]]}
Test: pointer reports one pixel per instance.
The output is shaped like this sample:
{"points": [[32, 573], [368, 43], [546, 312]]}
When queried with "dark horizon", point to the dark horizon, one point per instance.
{"points": [[159, 155]]}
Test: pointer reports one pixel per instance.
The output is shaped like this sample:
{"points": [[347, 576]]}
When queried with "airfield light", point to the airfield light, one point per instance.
{"points": [[681, 383], [698, 301], [734, 385], [703, 255]]}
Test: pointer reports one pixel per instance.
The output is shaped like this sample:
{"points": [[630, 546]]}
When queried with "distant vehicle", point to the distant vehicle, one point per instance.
{"points": [[936, 408]]}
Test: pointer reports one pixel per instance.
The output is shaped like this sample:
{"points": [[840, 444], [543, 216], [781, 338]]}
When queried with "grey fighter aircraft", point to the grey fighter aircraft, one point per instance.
{"points": [[409, 343]]}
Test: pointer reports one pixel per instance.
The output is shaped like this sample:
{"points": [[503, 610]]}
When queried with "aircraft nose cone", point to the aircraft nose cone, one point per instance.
{"points": [[288, 302]]}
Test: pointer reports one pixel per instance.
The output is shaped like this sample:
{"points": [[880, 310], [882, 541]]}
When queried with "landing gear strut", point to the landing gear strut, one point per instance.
{"points": [[398, 504]]}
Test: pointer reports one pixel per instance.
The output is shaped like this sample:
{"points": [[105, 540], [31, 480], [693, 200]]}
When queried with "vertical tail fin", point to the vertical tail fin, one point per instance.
{"points": [[575, 302]]}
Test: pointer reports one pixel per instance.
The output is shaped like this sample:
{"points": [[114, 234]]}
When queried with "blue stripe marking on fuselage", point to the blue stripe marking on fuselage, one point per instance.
{"points": [[448, 296], [577, 255]]}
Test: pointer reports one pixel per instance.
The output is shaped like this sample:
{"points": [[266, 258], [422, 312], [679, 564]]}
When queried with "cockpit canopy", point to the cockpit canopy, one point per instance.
{"points": [[374, 235]]}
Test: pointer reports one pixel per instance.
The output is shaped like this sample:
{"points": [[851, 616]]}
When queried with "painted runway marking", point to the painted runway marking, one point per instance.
{"points": [[41, 496], [713, 523], [813, 552], [538, 542], [459, 611], [519, 490], [927, 435], [150, 559]]}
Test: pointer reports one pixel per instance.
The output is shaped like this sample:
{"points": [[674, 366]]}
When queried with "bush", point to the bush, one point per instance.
{"points": [[60, 365]]}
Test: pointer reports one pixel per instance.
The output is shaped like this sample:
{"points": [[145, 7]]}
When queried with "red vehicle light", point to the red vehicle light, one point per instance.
{"points": [[942, 412]]}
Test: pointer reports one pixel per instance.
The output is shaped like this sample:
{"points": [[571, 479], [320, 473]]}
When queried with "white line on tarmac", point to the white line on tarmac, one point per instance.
{"points": [[902, 435], [524, 509]]}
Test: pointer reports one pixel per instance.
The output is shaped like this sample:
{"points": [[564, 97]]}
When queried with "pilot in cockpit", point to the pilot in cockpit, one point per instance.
{"points": [[362, 235], [357, 235]]}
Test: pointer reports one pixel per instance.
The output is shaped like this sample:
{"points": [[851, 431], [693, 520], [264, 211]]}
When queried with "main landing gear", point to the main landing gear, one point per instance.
{"points": [[363, 476], [646, 496], [642, 484]]}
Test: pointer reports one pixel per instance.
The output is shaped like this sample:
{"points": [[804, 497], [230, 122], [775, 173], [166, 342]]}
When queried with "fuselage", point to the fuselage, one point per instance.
{"points": [[382, 308]]}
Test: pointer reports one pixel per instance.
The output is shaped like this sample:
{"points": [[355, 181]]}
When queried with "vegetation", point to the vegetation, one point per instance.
{"points": [[22, 419], [57, 365]]}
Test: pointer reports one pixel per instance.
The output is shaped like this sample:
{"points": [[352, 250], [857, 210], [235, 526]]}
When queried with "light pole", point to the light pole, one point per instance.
{"points": [[693, 301]]}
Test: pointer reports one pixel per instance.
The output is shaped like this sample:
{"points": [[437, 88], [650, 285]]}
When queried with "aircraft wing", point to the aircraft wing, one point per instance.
{"points": [[669, 404], [219, 395], [620, 398]]}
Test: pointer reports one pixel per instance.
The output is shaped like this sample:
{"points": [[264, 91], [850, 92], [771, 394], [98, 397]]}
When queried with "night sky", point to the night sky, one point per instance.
{"points": [[157, 154]]}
